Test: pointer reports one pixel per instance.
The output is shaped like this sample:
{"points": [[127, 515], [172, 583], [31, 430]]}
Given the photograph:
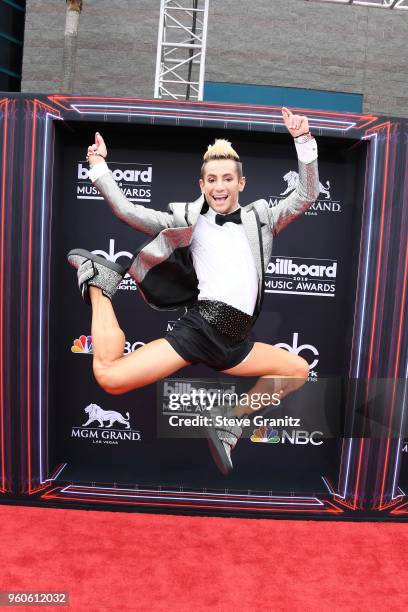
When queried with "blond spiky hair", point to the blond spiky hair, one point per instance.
{"points": [[221, 149]]}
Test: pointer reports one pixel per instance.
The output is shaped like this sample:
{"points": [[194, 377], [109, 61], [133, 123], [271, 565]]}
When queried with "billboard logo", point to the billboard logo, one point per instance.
{"points": [[301, 276], [135, 181], [183, 396], [104, 432], [82, 345]]}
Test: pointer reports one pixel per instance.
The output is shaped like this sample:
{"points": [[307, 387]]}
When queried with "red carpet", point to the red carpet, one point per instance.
{"points": [[118, 561]]}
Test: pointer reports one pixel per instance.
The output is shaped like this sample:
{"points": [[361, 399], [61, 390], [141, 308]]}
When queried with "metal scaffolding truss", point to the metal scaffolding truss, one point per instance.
{"points": [[181, 49], [387, 4]]}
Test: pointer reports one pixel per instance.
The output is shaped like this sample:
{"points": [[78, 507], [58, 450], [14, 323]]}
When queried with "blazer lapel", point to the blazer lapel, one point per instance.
{"points": [[251, 230], [194, 210]]}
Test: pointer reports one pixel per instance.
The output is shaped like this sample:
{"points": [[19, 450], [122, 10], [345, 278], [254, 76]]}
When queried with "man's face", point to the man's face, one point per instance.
{"points": [[221, 185]]}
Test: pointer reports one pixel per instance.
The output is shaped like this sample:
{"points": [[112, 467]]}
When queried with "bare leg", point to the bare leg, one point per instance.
{"points": [[115, 372], [280, 372]]}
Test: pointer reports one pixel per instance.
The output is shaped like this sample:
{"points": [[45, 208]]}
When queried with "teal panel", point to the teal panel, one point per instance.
{"points": [[283, 96]]}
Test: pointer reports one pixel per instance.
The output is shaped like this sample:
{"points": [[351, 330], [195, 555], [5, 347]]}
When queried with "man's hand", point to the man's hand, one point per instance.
{"points": [[296, 124], [97, 150]]}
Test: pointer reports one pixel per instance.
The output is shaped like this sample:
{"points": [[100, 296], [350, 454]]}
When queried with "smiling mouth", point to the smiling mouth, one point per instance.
{"points": [[220, 199]]}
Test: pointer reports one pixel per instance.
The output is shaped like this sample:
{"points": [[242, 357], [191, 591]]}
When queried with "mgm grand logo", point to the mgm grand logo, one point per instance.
{"points": [[99, 427], [322, 204]]}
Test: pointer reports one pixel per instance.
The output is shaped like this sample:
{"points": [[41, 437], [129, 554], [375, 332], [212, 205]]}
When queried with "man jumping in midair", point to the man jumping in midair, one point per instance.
{"points": [[201, 255]]}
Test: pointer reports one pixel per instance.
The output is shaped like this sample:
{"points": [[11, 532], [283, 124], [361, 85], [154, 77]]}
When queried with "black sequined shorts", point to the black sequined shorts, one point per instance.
{"points": [[197, 341]]}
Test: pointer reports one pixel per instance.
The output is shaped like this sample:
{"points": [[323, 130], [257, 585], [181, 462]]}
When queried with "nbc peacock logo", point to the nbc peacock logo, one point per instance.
{"points": [[82, 345], [265, 434]]}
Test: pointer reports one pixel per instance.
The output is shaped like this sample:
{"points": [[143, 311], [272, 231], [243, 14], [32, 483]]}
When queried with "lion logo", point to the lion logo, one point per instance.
{"points": [[96, 413], [292, 179]]}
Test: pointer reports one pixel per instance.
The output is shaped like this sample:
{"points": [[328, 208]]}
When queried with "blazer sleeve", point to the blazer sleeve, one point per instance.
{"points": [[146, 220], [306, 192]]}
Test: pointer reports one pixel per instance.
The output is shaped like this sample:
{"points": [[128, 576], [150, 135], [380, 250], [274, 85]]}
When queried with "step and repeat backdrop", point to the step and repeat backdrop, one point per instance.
{"points": [[334, 294]]}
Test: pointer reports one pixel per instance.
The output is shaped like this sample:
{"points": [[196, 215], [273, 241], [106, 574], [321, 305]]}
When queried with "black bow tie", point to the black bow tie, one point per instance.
{"points": [[234, 217]]}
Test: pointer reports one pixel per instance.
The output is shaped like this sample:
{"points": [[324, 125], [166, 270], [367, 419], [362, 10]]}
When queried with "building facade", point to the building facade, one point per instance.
{"points": [[310, 45]]}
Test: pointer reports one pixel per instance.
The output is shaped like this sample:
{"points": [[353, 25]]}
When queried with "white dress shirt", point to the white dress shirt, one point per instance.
{"points": [[224, 263]]}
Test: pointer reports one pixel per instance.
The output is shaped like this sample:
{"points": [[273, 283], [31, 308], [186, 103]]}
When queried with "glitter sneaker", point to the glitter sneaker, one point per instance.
{"points": [[96, 271], [222, 439]]}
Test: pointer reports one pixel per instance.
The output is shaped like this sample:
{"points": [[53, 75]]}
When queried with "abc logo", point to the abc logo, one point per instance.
{"points": [[112, 256], [298, 349]]}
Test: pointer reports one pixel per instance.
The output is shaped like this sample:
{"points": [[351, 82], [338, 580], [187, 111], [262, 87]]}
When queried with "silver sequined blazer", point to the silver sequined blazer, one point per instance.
{"points": [[163, 268]]}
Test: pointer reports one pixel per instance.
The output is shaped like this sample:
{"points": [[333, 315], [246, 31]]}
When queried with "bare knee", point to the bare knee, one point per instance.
{"points": [[106, 378]]}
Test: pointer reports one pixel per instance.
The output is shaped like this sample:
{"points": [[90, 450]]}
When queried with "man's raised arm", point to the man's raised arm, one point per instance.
{"points": [[307, 189], [139, 217]]}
